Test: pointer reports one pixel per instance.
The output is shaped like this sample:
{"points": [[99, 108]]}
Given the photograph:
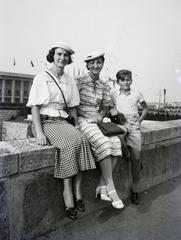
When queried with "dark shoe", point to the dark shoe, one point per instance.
{"points": [[71, 213], [135, 198], [80, 205]]}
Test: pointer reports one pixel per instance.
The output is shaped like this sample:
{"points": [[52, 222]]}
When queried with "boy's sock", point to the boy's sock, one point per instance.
{"points": [[135, 188]]}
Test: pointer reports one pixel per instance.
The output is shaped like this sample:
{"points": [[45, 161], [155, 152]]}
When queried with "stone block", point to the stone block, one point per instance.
{"points": [[12, 130], [36, 159], [4, 219], [8, 164], [154, 131], [26, 155]]}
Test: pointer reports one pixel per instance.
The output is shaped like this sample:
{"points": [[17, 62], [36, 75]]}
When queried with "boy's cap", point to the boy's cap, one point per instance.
{"points": [[93, 55], [62, 45]]}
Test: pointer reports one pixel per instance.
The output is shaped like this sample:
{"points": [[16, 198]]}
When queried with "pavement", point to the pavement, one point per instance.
{"points": [[157, 217]]}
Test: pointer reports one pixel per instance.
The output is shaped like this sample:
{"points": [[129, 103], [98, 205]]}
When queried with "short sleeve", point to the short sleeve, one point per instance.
{"points": [[112, 102], [78, 83], [140, 97], [74, 99], [39, 93]]}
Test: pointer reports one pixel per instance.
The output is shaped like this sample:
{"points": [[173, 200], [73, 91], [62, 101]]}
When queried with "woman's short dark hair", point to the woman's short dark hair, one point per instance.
{"points": [[122, 74], [102, 58], [50, 56]]}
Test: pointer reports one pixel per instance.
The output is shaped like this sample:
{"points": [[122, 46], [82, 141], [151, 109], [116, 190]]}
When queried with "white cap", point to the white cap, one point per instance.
{"points": [[93, 55], [62, 45]]}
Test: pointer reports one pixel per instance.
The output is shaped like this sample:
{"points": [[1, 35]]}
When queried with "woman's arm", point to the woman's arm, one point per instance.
{"points": [[144, 112], [41, 138], [73, 113], [104, 111], [95, 118]]}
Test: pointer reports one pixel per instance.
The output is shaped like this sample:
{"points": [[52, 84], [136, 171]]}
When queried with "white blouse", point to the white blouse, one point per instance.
{"points": [[46, 94]]}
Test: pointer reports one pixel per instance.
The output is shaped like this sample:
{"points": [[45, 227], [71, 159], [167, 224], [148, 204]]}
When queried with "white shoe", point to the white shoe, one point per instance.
{"points": [[117, 204], [103, 197]]}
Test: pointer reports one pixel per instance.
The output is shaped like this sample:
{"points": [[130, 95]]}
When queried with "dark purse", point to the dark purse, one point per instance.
{"points": [[70, 119], [110, 129], [118, 119]]}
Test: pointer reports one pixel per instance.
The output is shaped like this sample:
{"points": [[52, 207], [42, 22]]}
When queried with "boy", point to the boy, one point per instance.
{"points": [[126, 100]]}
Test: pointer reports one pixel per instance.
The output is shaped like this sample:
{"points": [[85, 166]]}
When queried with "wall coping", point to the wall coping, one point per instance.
{"points": [[16, 156]]}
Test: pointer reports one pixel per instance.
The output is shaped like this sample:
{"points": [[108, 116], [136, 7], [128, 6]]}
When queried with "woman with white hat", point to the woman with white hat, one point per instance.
{"points": [[94, 103], [51, 92]]}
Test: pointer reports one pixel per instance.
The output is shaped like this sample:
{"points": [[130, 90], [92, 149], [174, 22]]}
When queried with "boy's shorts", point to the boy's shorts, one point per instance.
{"points": [[133, 136]]}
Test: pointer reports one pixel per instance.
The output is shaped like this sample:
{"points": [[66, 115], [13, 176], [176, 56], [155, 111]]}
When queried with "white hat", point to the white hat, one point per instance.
{"points": [[93, 55], [62, 45]]}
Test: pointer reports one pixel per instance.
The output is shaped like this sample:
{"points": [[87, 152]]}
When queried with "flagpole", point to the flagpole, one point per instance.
{"points": [[32, 65], [14, 63], [159, 99]]}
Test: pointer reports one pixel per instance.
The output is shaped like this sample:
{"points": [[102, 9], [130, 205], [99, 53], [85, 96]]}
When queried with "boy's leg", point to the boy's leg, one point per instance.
{"points": [[125, 150], [135, 169], [124, 147]]}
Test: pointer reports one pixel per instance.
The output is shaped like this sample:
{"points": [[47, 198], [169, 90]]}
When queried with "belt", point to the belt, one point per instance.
{"points": [[46, 117], [56, 106]]}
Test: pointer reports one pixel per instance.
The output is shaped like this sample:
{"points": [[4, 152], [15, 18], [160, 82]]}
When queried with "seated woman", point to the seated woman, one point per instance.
{"points": [[93, 107], [72, 151]]}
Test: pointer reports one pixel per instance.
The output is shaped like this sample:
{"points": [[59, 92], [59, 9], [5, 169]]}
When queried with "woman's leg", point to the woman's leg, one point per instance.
{"points": [[67, 193], [106, 166], [79, 203], [114, 161], [69, 199], [77, 185], [102, 181]]}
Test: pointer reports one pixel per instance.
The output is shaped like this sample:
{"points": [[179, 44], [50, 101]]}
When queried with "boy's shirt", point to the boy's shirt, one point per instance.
{"points": [[126, 104]]}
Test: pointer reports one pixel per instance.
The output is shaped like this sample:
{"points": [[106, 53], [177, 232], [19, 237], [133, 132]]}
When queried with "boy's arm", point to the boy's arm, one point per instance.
{"points": [[144, 112]]}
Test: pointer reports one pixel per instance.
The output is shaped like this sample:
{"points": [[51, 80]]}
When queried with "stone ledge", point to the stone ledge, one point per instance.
{"points": [[24, 155], [155, 131], [152, 131], [31, 199]]}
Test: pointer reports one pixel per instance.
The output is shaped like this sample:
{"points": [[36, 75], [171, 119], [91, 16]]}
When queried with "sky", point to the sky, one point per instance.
{"points": [[143, 36]]}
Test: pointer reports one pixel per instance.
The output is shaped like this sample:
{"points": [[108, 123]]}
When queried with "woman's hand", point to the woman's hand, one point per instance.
{"points": [[95, 118], [113, 112], [41, 139]]}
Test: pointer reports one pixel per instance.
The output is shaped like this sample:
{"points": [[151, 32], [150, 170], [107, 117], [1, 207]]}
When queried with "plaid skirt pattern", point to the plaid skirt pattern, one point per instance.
{"points": [[101, 145], [72, 149]]}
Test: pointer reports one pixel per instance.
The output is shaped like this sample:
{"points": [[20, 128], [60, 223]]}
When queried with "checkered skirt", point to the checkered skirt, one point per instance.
{"points": [[101, 145], [72, 150]]}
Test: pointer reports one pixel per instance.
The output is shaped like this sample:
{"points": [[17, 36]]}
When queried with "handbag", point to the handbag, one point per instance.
{"points": [[70, 119], [110, 129], [118, 119]]}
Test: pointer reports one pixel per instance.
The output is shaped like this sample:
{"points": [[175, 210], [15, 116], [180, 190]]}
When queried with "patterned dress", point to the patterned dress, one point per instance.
{"points": [[72, 150], [93, 96]]}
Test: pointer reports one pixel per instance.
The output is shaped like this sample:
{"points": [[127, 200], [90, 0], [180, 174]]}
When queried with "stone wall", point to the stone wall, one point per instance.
{"points": [[31, 202], [9, 111], [6, 115]]}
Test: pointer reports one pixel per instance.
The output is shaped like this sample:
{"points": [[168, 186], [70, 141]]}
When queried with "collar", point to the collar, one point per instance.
{"points": [[62, 80], [120, 93], [98, 81]]}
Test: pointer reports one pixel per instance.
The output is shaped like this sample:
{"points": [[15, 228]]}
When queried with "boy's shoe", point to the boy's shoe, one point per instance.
{"points": [[135, 198]]}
